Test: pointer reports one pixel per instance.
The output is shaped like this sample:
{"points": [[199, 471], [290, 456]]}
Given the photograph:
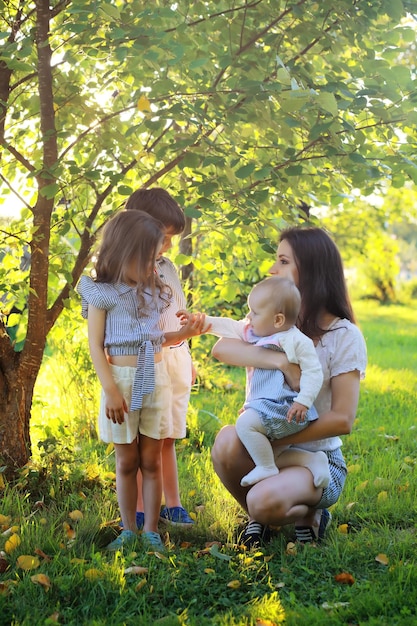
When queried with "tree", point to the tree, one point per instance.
{"points": [[241, 109]]}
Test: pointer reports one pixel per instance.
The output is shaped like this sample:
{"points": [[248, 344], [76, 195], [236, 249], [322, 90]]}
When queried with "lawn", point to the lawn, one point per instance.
{"points": [[62, 511]]}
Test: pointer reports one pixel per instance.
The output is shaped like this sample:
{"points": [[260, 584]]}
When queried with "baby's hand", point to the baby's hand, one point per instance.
{"points": [[193, 323], [297, 412]]}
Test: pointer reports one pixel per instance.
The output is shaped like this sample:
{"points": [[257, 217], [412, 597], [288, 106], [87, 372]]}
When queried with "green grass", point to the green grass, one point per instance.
{"points": [[219, 585]]}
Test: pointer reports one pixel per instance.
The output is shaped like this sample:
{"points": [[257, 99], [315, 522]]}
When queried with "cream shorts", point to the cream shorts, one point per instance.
{"points": [[179, 367], [152, 420]]}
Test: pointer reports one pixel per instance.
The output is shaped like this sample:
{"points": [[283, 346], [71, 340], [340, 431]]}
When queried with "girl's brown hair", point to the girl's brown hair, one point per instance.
{"points": [[131, 237], [321, 278]]}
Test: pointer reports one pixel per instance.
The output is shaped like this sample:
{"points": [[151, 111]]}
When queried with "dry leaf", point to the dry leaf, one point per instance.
{"points": [[5, 520], [344, 578], [291, 548], [209, 570], [353, 469], [234, 584], [136, 569], [4, 564], [185, 544], [264, 622], [350, 506], [12, 543], [141, 584], [54, 617], [383, 495], [334, 605], [70, 532], [42, 554], [27, 562], [93, 574], [42, 579], [382, 558], [76, 515], [343, 529]]}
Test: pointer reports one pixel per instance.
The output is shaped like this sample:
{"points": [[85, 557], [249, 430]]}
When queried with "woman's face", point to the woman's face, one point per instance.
{"points": [[285, 264]]}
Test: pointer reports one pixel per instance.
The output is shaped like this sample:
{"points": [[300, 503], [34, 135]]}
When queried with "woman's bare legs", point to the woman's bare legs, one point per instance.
{"points": [[150, 465], [286, 498], [127, 463]]}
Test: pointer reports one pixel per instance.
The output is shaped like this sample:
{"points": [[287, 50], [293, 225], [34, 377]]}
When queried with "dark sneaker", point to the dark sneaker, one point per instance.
{"points": [[308, 534], [254, 535], [140, 520], [175, 515]]}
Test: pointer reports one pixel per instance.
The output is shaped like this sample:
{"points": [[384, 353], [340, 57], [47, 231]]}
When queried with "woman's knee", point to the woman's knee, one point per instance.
{"points": [[223, 449]]}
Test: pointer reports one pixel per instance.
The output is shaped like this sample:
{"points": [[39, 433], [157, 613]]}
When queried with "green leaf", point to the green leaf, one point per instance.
{"points": [[245, 170], [328, 102]]}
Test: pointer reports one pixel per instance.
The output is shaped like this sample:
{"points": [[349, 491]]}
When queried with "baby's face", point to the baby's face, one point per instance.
{"points": [[261, 314]]}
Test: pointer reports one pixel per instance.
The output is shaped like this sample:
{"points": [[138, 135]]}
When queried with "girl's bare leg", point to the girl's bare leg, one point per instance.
{"points": [[151, 467], [127, 463]]}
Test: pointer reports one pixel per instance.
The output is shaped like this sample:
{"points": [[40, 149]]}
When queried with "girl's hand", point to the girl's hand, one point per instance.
{"points": [[116, 408], [193, 323], [297, 412]]}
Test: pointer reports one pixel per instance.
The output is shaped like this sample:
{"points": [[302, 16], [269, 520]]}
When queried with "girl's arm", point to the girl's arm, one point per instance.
{"points": [[193, 325], [339, 420], [242, 354], [116, 405]]}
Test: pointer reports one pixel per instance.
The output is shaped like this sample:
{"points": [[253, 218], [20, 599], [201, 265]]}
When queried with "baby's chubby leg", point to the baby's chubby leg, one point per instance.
{"points": [[316, 462], [253, 436]]}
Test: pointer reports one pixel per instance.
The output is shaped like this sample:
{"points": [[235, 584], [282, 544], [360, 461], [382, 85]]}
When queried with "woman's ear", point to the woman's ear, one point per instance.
{"points": [[279, 320]]}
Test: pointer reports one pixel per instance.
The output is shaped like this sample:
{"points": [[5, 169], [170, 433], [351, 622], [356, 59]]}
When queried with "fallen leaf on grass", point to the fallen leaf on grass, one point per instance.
{"points": [[42, 554], [76, 515], [382, 558], [344, 578], [93, 574], [209, 570], [185, 544], [28, 562], [291, 548], [383, 495], [54, 617], [69, 531], [141, 584], [4, 564], [43, 580], [10, 531], [5, 520], [5, 586], [334, 605], [234, 584], [214, 551], [12, 543], [343, 529], [264, 622], [136, 569]]}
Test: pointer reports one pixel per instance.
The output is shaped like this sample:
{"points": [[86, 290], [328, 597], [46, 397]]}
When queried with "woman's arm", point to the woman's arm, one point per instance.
{"points": [[243, 354], [339, 420]]}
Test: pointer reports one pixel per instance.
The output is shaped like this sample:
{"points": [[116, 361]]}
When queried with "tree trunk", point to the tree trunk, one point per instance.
{"points": [[16, 393], [186, 247]]}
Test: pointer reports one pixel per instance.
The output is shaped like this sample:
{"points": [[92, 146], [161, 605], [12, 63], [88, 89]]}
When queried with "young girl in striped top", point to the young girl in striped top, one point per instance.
{"points": [[123, 304]]}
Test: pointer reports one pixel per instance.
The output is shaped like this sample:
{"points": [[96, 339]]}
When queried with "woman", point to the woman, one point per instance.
{"points": [[311, 259]]}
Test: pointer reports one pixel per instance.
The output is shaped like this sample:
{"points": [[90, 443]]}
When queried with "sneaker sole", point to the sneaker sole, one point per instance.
{"points": [[169, 522]]}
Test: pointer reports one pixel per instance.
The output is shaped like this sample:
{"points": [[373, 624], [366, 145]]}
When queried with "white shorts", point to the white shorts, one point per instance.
{"points": [[152, 420], [179, 367]]}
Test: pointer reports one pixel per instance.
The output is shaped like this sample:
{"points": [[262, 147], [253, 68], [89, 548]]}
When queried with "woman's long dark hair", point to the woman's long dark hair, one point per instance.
{"points": [[321, 278]]}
